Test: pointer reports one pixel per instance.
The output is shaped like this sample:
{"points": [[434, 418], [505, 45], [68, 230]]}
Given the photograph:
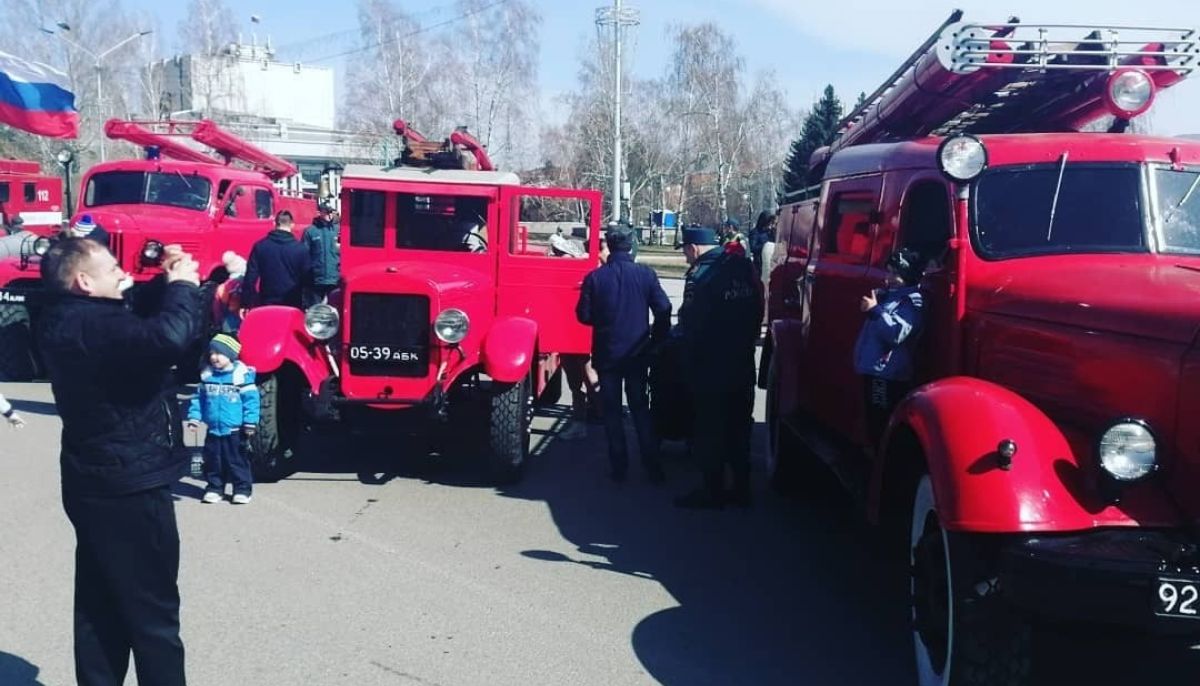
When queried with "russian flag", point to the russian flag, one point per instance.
{"points": [[34, 97]]}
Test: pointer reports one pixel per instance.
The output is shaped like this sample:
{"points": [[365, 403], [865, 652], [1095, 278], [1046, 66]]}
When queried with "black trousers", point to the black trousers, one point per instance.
{"points": [[722, 420], [316, 294], [630, 375], [881, 398], [126, 596]]}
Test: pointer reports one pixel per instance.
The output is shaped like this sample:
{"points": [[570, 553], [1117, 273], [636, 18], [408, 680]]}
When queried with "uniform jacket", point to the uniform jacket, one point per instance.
{"points": [[225, 400], [321, 241], [616, 301], [276, 271], [885, 342], [720, 319], [110, 374]]}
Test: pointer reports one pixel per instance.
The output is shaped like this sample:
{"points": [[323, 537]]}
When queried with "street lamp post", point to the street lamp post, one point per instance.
{"points": [[65, 158], [98, 59]]}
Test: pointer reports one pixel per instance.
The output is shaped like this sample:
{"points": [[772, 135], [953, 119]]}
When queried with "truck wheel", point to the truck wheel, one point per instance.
{"points": [[16, 344], [963, 631], [508, 431], [271, 447]]}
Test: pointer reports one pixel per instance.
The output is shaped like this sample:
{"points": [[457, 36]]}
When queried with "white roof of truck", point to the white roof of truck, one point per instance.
{"points": [[429, 174]]}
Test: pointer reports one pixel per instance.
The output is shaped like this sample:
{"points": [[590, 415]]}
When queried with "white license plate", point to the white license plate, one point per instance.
{"points": [[1177, 598]]}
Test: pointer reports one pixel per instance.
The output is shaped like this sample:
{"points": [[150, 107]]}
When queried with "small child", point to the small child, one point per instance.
{"points": [[10, 415], [227, 401], [883, 354], [227, 303]]}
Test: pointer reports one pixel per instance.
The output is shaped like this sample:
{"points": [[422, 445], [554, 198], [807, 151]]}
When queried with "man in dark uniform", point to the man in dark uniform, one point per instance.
{"points": [[616, 301], [110, 371], [718, 330], [278, 268]]}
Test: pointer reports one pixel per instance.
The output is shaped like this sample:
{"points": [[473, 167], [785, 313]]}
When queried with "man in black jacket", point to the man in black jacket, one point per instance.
{"points": [[121, 451], [278, 267], [616, 301]]}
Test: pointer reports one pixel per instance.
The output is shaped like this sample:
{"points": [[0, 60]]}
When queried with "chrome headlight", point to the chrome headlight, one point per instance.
{"points": [[962, 157], [451, 326], [321, 321], [152, 252], [1128, 93], [1128, 451], [41, 246]]}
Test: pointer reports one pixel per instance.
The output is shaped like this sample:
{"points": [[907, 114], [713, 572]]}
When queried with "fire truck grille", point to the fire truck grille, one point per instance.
{"points": [[389, 335]]}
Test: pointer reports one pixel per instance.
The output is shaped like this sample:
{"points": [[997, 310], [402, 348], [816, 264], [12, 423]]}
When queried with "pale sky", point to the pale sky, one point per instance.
{"points": [[853, 44]]}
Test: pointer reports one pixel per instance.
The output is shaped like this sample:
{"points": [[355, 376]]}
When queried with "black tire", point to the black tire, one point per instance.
{"points": [[16, 344], [272, 445], [508, 431], [964, 632]]}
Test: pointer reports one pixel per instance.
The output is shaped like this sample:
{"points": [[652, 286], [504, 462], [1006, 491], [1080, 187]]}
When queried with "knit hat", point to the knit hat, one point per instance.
{"points": [[226, 345], [234, 263], [84, 226]]}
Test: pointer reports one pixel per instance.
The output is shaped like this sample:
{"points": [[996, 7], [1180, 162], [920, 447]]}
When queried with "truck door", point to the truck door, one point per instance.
{"points": [[550, 240], [837, 279], [246, 214], [788, 298]]}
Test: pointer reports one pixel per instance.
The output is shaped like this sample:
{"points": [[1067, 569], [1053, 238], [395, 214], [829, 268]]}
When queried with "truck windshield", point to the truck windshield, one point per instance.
{"points": [[154, 188], [1098, 209], [441, 222], [1179, 210]]}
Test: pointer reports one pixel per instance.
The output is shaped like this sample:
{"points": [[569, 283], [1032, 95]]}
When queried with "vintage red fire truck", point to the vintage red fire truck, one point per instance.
{"points": [[176, 194], [451, 292], [27, 193], [1046, 463]]}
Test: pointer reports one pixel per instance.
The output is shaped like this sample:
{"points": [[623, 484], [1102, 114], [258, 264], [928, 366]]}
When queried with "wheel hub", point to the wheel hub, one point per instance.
{"points": [[930, 593]]}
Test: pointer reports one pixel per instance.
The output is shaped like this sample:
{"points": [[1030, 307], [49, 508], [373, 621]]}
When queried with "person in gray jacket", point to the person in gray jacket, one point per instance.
{"points": [[324, 253]]}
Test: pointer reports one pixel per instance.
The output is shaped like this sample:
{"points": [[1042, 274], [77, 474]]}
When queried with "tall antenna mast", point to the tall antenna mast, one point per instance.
{"points": [[618, 17]]}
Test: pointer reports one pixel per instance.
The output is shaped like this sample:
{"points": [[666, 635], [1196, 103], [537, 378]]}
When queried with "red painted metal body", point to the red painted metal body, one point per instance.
{"points": [[1045, 350], [519, 298], [38, 200]]}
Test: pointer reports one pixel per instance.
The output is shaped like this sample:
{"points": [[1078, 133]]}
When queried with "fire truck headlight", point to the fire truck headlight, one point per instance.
{"points": [[152, 253], [962, 157], [451, 326], [1128, 451], [321, 321], [41, 246], [1129, 92]]}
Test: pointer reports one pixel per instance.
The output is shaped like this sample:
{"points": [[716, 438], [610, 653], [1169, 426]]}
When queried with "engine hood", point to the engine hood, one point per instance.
{"points": [[1149, 296], [141, 217], [444, 283]]}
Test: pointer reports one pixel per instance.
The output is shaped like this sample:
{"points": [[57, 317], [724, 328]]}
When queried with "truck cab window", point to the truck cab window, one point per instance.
{"points": [[1179, 210], [926, 223], [367, 214], [441, 222], [4, 192], [848, 230], [263, 204], [1099, 209], [30, 192]]}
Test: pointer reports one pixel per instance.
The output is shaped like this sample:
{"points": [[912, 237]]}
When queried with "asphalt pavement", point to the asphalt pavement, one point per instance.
{"points": [[381, 562]]}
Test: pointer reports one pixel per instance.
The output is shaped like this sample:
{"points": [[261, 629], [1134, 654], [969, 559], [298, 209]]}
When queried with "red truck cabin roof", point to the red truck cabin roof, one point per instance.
{"points": [[1022, 148]]}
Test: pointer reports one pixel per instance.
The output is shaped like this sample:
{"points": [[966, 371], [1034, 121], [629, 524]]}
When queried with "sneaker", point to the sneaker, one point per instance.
{"points": [[211, 497], [573, 432], [241, 499]]}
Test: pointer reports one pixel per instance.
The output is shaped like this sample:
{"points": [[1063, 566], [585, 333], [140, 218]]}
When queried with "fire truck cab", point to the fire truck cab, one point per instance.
{"points": [[1043, 464], [176, 194], [451, 289]]}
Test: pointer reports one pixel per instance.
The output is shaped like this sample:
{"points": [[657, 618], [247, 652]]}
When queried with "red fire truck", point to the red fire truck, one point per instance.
{"points": [[176, 194], [1045, 463], [26, 193], [451, 293]]}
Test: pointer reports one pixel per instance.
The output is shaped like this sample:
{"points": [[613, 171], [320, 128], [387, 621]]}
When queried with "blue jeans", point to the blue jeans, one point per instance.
{"points": [[632, 375], [225, 462]]}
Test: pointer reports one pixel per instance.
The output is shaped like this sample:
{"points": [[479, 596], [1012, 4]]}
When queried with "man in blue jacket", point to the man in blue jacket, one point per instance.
{"points": [[110, 371], [617, 300], [278, 267]]}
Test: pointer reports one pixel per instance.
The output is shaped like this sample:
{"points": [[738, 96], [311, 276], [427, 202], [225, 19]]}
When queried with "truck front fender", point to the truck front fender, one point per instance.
{"points": [[508, 348], [958, 423], [273, 335]]}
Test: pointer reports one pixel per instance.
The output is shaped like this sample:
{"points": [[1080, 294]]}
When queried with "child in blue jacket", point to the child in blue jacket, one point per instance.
{"points": [[227, 401], [883, 354]]}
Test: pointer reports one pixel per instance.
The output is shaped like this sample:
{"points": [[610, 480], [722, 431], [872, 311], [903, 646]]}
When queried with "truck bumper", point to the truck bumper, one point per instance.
{"points": [[1108, 576], [325, 405]]}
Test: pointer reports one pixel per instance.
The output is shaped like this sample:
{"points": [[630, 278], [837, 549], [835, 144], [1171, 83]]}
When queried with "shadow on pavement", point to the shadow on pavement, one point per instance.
{"points": [[17, 671], [34, 407]]}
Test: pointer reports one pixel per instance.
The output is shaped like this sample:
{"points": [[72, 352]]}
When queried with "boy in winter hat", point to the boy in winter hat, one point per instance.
{"points": [[227, 401]]}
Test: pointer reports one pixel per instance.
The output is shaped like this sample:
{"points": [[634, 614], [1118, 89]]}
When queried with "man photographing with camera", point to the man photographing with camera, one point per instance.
{"points": [[110, 371]]}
